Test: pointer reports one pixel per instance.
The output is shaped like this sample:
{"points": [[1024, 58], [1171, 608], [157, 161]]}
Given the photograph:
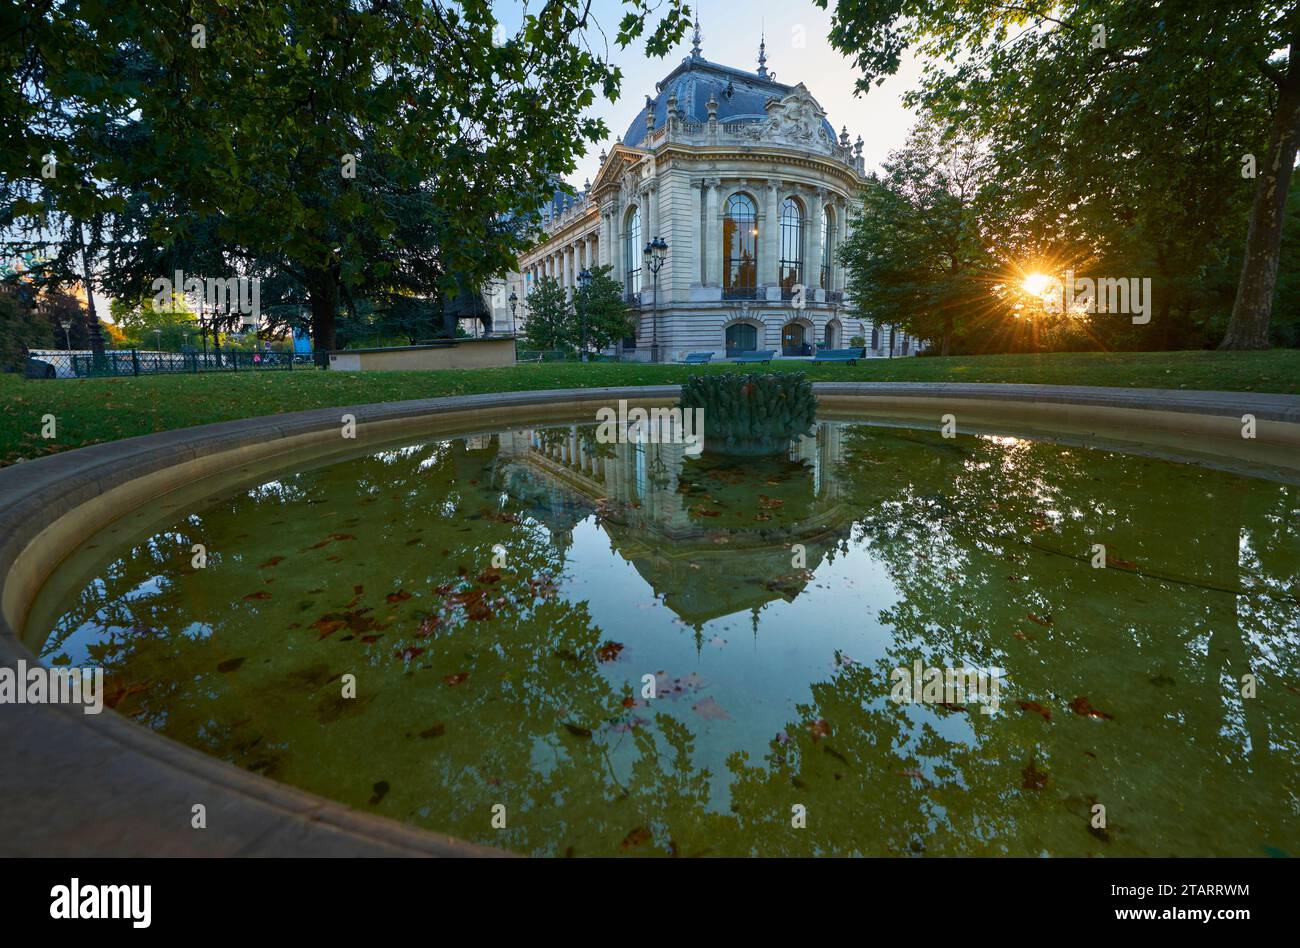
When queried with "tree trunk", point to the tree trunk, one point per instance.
{"points": [[323, 289], [1253, 308]]}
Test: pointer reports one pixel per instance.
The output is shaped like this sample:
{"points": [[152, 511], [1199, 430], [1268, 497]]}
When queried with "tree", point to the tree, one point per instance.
{"points": [[918, 256], [21, 329], [60, 306], [145, 325], [1147, 76], [549, 325], [350, 147], [602, 309]]}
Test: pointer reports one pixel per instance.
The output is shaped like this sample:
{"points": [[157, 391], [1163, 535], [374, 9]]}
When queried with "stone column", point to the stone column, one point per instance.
{"points": [[770, 235], [649, 217], [841, 233], [813, 261], [712, 233], [697, 235]]}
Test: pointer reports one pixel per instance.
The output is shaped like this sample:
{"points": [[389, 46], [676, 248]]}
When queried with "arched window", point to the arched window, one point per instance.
{"points": [[740, 249], [827, 231], [632, 254], [791, 272], [742, 337], [875, 336]]}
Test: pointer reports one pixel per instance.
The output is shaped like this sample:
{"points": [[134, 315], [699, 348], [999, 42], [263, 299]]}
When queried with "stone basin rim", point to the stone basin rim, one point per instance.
{"points": [[93, 785]]}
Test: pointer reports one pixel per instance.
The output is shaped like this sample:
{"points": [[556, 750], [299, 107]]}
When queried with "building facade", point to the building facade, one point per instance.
{"points": [[747, 183]]}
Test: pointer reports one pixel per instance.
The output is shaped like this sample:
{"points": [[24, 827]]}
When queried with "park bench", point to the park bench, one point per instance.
{"points": [[697, 358], [851, 356], [761, 355]]}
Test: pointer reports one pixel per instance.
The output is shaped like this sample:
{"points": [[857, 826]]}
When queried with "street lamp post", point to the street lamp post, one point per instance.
{"points": [[67, 339], [584, 281], [655, 253], [514, 301]]}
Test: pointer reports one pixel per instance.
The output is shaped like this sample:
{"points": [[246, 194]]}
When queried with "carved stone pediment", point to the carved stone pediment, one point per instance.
{"points": [[613, 173], [797, 120]]}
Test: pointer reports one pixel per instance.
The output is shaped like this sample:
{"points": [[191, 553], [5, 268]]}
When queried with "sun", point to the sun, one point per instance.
{"points": [[1036, 284]]}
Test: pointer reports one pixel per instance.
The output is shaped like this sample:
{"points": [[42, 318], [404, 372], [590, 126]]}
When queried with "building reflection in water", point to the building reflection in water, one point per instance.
{"points": [[682, 522]]}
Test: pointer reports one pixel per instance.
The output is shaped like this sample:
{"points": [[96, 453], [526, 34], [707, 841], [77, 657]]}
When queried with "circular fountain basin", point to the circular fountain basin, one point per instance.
{"points": [[621, 649]]}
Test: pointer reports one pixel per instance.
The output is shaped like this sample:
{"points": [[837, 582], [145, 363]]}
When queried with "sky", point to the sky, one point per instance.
{"points": [[797, 51]]}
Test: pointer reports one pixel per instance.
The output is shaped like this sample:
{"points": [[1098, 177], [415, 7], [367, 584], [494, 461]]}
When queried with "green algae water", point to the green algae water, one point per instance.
{"points": [[622, 650]]}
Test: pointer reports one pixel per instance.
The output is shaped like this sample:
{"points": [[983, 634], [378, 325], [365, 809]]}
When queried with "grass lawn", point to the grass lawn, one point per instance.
{"points": [[92, 410]]}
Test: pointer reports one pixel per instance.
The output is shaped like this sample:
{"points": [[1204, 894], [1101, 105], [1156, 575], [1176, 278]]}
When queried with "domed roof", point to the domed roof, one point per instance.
{"points": [[741, 96]]}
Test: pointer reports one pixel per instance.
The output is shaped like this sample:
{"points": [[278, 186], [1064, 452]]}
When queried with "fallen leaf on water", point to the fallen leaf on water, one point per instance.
{"points": [[710, 710], [608, 652], [1122, 564], [436, 731], [455, 679], [1039, 619], [1035, 707], [328, 627], [398, 596], [371, 639], [635, 838], [273, 561], [408, 653], [577, 731], [1083, 706], [629, 702], [428, 627], [260, 594], [230, 664], [117, 695], [489, 576], [1034, 779]]}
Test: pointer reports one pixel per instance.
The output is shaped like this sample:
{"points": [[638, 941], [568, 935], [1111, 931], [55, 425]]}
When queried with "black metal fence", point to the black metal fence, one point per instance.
{"points": [[53, 364]]}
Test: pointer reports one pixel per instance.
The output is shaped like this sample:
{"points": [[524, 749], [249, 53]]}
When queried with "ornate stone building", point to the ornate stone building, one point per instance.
{"points": [[751, 189], [647, 499]]}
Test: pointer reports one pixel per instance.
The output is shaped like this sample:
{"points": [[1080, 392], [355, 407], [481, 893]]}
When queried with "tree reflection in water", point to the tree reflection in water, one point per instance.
{"points": [[478, 686]]}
